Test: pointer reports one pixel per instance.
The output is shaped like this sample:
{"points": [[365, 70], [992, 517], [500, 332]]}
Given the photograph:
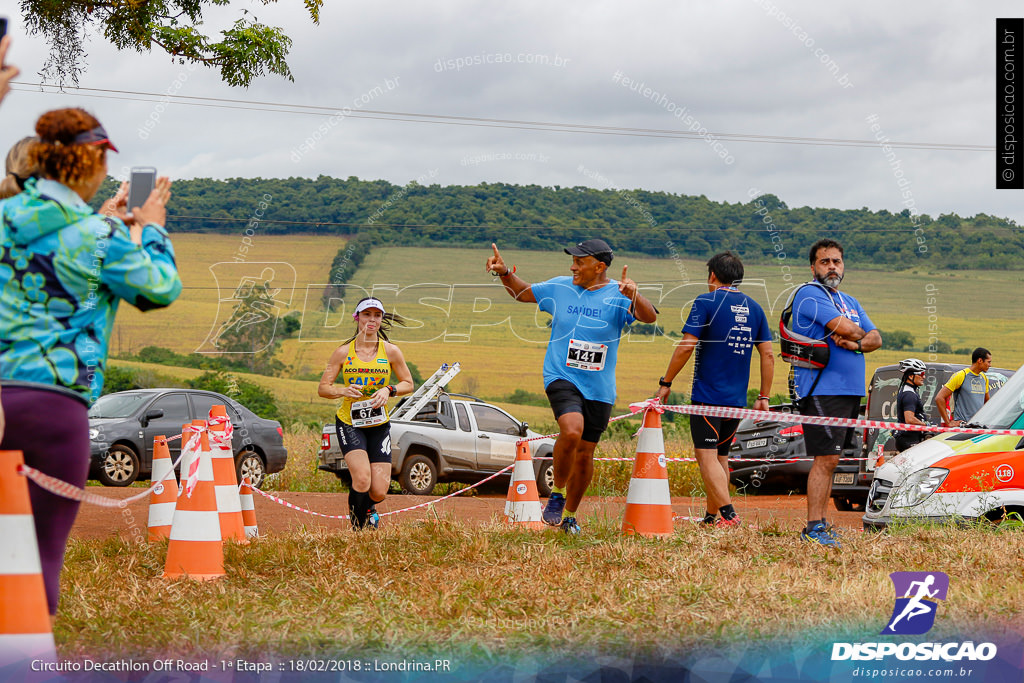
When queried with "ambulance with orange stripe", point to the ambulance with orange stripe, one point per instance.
{"points": [[956, 477]]}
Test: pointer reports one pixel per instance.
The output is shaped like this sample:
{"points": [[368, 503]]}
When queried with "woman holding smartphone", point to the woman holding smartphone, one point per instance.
{"points": [[63, 270], [358, 373]]}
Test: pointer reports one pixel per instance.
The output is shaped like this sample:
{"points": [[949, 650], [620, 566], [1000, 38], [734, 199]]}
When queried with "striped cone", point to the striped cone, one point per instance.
{"points": [[196, 550], [229, 505], [248, 509], [522, 506], [648, 504], [24, 617], [161, 504]]}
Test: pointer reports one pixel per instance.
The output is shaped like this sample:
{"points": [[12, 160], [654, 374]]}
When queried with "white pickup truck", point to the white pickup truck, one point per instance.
{"points": [[452, 438]]}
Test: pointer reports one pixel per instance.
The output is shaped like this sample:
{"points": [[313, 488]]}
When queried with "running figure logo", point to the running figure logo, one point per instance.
{"points": [[917, 596]]}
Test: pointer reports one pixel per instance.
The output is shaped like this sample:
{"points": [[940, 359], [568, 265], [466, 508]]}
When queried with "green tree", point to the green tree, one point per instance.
{"points": [[246, 50], [251, 333], [251, 395], [897, 340]]}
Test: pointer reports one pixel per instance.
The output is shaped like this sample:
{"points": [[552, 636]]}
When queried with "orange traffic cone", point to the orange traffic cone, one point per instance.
{"points": [[648, 503], [522, 505], [196, 549], [229, 506], [24, 618], [165, 496], [248, 509]]}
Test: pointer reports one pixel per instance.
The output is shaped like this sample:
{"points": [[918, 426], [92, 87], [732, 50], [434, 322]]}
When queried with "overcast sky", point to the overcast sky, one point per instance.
{"points": [[925, 70]]}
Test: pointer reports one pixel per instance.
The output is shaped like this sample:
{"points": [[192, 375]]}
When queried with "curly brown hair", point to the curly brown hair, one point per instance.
{"points": [[56, 156]]}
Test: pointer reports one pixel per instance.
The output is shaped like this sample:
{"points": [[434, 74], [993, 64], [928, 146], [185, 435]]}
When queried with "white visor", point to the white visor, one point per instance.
{"points": [[369, 303]]}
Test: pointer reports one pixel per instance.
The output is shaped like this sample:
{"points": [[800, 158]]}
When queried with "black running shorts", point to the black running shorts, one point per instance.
{"points": [[376, 440], [566, 398], [826, 440], [713, 432]]}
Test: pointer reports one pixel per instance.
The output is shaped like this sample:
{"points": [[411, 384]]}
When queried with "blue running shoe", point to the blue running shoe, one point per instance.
{"points": [[570, 526], [553, 510], [373, 519], [822, 535]]}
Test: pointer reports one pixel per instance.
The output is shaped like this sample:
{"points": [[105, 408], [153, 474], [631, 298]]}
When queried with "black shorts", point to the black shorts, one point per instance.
{"points": [[376, 440], [826, 440], [904, 440], [713, 432], [566, 398]]}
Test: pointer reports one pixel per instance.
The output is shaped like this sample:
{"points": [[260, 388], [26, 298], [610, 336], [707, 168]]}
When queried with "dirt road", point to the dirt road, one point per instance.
{"points": [[100, 522]]}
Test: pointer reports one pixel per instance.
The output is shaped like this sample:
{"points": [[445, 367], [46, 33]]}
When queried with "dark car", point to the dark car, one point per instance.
{"points": [[763, 443], [851, 482], [122, 426]]}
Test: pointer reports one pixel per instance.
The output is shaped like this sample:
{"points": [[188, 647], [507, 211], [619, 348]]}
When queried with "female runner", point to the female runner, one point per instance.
{"points": [[358, 373]]}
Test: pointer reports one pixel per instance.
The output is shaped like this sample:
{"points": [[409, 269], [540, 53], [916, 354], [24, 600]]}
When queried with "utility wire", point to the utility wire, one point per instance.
{"points": [[475, 121]]}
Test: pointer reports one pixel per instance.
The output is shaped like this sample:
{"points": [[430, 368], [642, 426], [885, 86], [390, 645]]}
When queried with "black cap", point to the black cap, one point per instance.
{"points": [[599, 249]]}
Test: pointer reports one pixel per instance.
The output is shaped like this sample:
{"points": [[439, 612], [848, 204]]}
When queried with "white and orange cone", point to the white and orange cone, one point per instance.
{"points": [[248, 509], [163, 499], [648, 503], [24, 616], [522, 505], [196, 550], [229, 505]]}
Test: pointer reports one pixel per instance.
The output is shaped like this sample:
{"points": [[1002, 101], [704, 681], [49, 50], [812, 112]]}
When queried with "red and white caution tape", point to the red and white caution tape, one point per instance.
{"points": [[764, 415], [222, 438], [193, 466], [291, 506], [71, 492]]}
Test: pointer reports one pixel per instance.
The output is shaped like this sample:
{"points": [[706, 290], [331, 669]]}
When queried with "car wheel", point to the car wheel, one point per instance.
{"points": [[344, 476], [842, 503], [545, 478], [250, 464], [418, 475], [119, 466]]}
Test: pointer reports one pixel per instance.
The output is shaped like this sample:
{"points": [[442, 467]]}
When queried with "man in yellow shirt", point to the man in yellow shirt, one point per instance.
{"points": [[969, 389]]}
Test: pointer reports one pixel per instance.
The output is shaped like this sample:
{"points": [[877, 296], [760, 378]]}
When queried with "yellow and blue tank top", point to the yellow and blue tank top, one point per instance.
{"points": [[368, 376]]}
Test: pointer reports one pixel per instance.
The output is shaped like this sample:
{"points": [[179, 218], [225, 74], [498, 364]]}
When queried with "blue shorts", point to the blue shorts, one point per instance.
{"points": [[376, 440]]}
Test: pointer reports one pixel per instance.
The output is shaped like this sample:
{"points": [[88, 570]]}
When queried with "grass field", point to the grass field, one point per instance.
{"points": [[457, 312], [489, 594]]}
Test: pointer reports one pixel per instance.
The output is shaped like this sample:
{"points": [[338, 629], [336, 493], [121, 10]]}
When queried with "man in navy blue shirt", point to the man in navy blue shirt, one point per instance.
{"points": [[723, 328], [821, 311], [588, 311]]}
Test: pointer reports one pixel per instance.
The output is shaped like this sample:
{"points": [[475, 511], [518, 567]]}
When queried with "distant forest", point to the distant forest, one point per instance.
{"points": [[535, 217]]}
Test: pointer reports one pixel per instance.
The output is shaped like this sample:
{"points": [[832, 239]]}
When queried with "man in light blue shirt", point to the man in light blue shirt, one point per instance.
{"points": [[588, 311], [822, 312]]}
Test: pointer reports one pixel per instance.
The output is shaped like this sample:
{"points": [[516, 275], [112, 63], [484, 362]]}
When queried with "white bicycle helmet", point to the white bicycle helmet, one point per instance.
{"points": [[912, 365]]}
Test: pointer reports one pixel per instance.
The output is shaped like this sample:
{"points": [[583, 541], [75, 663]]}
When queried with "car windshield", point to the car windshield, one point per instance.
{"points": [[117, 405], [1005, 407]]}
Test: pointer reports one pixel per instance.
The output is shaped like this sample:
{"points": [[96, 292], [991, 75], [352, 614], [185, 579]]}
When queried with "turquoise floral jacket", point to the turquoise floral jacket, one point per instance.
{"points": [[63, 270]]}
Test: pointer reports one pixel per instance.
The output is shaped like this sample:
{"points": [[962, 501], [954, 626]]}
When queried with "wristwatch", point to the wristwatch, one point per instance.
{"points": [[663, 383], [859, 349]]}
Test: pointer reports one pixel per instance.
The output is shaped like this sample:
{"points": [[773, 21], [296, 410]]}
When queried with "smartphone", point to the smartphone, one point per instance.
{"points": [[141, 183]]}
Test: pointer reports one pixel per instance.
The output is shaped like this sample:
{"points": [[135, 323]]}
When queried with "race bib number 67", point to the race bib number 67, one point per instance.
{"points": [[365, 415], [586, 355]]}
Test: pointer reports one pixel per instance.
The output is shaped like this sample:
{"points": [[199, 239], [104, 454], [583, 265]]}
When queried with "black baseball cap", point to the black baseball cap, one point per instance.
{"points": [[599, 249]]}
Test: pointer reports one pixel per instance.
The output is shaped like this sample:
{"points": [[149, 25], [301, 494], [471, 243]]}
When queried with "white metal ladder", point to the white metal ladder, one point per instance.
{"points": [[429, 390]]}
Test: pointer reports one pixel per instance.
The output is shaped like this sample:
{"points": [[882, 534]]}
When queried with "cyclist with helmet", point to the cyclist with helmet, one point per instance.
{"points": [[909, 406]]}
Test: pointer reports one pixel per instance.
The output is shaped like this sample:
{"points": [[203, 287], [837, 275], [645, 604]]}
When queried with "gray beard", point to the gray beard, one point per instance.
{"points": [[832, 281]]}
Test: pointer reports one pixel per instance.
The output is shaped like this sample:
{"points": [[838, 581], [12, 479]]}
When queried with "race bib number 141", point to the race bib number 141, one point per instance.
{"points": [[586, 355]]}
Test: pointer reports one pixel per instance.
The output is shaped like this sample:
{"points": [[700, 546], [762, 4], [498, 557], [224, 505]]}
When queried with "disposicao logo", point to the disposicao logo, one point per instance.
{"points": [[917, 596]]}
